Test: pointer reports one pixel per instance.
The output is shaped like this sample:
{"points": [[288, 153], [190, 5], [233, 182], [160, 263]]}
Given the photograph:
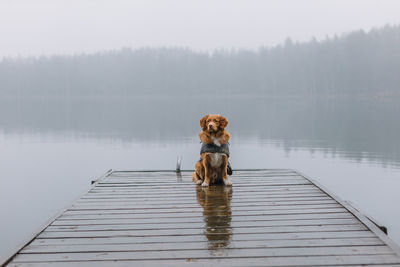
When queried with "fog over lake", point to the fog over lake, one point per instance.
{"points": [[328, 109], [52, 148]]}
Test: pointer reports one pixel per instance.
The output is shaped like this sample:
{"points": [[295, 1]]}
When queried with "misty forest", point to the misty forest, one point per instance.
{"points": [[340, 92], [354, 64]]}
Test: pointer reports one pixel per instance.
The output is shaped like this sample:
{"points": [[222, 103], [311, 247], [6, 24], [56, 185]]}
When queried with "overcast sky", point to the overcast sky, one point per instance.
{"points": [[35, 27]]}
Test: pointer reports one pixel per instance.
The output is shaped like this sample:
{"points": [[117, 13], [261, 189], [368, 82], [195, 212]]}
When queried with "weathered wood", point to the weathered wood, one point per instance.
{"points": [[266, 196], [197, 231], [244, 189], [205, 254], [269, 218], [115, 209], [201, 238], [203, 245], [238, 197], [353, 260], [133, 209], [183, 203], [163, 225], [145, 214], [159, 184], [240, 187], [365, 260], [271, 197], [272, 218]]}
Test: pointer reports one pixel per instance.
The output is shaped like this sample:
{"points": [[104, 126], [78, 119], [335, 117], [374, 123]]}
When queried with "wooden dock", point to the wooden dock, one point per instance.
{"points": [[268, 218]]}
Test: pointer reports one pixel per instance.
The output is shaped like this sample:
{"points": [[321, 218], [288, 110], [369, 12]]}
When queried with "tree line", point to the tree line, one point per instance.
{"points": [[355, 64]]}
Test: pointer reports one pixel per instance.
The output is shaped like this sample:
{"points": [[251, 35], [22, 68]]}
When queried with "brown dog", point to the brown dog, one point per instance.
{"points": [[212, 167]]}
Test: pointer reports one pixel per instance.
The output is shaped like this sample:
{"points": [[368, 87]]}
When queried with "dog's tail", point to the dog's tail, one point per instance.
{"points": [[229, 169]]}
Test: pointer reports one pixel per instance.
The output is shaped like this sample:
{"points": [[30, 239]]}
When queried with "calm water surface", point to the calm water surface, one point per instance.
{"points": [[52, 148]]}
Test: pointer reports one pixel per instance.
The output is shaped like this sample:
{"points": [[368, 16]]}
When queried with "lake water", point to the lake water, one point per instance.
{"points": [[52, 148]]}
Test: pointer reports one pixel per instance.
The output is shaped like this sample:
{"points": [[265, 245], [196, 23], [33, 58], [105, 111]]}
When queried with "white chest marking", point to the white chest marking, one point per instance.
{"points": [[217, 141], [216, 159]]}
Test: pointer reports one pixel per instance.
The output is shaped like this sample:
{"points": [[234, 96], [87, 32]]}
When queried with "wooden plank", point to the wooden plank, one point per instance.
{"points": [[183, 199], [186, 183], [144, 214], [191, 262], [238, 197], [173, 195], [132, 208], [197, 231], [163, 225], [215, 201], [173, 182], [239, 186], [271, 218], [183, 203], [157, 216], [186, 176], [239, 189], [195, 190], [187, 180], [262, 261], [76, 209], [352, 260], [194, 203], [202, 245], [188, 173], [205, 254], [201, 238], [246, 191], [225, 196], [272, 190], [191, 189]]}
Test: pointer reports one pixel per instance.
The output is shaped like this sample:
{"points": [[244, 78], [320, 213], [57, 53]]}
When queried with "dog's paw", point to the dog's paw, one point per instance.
{"points": [[227, 182], [204, 184], [198, 182]]}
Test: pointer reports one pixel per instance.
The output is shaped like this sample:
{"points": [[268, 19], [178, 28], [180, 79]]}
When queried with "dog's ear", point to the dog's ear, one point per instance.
{"points": [[223, 122], [203, 122]]}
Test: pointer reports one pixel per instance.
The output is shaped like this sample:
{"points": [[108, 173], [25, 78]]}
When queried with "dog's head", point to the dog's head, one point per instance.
{"points": [[213, 123]]}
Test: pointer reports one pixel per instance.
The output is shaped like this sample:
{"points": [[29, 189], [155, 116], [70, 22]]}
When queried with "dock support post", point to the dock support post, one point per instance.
{"points": [[178, 164]]}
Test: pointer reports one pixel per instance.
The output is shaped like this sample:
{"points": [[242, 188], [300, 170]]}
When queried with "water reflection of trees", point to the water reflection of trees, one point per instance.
{"points": [[356, 129]]}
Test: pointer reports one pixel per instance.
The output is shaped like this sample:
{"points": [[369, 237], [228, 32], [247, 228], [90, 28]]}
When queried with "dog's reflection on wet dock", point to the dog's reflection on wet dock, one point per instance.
{"points": [[216, 203]]}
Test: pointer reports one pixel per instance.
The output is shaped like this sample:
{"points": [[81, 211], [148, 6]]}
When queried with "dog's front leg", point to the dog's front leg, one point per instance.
{"points": [[198, 174], [207, 170]]}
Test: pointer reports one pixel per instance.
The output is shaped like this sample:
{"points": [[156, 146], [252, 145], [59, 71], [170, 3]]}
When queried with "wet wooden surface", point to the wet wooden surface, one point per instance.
{"points": [[268, 218]]}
